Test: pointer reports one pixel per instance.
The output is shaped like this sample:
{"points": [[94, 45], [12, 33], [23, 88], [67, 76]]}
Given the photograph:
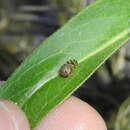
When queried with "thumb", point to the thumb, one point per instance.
{"points": [[11, 117]]}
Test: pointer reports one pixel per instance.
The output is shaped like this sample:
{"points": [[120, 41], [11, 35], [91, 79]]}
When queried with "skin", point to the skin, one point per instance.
{"points": [[73, 114]]}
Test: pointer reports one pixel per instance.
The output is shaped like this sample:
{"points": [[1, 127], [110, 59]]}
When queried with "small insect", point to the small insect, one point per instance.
{"points": [[67, 68]]}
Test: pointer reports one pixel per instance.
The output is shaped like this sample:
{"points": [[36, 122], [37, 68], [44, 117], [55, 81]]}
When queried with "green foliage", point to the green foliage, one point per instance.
{"points": [[90, 38], [123, 118]]}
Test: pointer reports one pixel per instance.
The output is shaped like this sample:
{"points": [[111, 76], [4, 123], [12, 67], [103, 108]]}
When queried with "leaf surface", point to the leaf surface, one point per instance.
{"points": [[90, 38]]}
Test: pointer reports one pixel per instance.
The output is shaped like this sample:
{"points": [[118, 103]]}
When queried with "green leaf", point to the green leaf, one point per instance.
{"points": [[90, 38], [123, 117]]}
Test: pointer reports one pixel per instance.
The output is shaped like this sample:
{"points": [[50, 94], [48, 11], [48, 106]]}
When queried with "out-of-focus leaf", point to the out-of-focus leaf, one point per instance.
{"points": [[123, 118]]}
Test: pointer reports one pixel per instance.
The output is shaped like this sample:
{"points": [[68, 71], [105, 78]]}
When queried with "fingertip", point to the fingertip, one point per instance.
{"points": [[12, 117], [73, 114]]}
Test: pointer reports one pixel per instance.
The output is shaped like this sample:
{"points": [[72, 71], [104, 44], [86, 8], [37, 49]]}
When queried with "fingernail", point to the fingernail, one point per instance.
{"points": [[11, 117]]}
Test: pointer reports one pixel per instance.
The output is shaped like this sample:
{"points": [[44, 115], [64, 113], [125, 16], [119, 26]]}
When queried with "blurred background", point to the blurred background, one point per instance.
{"points": [[24, 24]]}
